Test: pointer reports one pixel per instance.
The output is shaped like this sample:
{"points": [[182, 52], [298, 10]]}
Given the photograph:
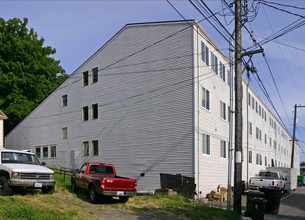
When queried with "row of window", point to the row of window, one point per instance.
{"points": [[94, 77], [217, 66], [94, 112], [94, 148], [206, 104], [259, 161], [257, 107], [206, 149], [206, 146], [45, 151]]}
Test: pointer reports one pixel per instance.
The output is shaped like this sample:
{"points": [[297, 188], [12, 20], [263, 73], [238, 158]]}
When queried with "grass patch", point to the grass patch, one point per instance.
{"points": [[64, 204]]}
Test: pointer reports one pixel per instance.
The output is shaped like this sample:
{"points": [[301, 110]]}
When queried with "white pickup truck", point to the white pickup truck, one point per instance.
{"points": [[267, 178], [20, 169]]}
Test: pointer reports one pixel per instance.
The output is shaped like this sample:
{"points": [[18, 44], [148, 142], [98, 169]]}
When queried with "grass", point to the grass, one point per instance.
{"points": [[64, 204]]}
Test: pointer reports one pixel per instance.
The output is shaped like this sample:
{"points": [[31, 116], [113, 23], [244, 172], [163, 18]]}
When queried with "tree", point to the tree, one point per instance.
{"points": [[28, 73]]}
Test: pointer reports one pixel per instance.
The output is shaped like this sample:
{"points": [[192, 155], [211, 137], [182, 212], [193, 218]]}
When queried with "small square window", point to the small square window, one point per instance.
{"points": [[65, 133], [45, 150], [95, 148], [94, 111], [64, 100], [85, 113], [38, 151], [86, 148], [85, 78], [95, 75], [53, 151]]}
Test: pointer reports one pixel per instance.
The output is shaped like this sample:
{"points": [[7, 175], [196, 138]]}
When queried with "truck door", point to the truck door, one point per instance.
{"points": [[79, 178]]}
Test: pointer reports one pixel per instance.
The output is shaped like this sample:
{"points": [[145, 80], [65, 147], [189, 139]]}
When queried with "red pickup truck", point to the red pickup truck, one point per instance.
{"points": [[100, 180]]}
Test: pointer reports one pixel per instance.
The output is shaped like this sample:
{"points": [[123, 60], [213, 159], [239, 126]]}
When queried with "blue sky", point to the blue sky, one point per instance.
{"points": [[77, 29]]}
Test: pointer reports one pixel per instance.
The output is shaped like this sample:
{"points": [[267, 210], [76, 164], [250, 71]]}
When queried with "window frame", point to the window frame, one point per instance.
{"points": [[94, 77], [223, 149], [94, 111], [206, 144], [85, 111], [85, 148], [95, 148], [64, 100], [205, 98], [85, 78]]}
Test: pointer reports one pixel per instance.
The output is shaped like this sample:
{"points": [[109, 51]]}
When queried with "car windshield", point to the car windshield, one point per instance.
{"points": [[101, 169], [268, 174], [16, 157]]}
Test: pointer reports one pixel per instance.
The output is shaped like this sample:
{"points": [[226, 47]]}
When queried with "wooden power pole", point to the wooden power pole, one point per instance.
{"points": [[238, 109]]}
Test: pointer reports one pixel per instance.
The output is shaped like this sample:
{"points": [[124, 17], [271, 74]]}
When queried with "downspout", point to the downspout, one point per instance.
{"points": [[198, 109]]}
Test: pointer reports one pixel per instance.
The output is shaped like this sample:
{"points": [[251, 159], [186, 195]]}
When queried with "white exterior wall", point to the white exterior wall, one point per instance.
{"points": [[145, 107], [213, 169]]}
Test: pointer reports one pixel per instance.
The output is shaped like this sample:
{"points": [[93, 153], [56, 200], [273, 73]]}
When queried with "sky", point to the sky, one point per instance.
{"points": [[77, 29]]}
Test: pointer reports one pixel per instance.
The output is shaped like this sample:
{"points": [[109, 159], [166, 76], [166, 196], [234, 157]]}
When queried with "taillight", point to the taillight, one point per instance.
{"points": [[135, 185], [272, 183], [250, 181], [103, 184]]}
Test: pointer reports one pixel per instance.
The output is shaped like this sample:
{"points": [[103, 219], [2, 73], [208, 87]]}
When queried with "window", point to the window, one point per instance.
{"points": [[65, 133], [85, 113], [270, 142], [222, 71], [95, 75], [45, 151], [205, 98], [253, 102], [85, 78], [260, 160], [94, 111], [214, 63], [86, 148], [223, 149], [257, 158], [249, 99], [266, 161], [250, 128], [256, 106], [250, 156], [223, 108], [53, 151], [205, 144], [64, 100], [205, 53], [38, 151], [95, 148], [265, 138], [260, 110], [229, 77], [257, 133]]}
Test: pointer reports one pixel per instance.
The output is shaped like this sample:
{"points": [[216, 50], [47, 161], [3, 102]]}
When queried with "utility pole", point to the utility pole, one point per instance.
{"points": [[293, 135], [238, 109]]}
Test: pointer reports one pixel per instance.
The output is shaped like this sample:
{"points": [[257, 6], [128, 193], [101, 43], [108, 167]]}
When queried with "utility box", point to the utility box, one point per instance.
{"points": [[290, 176]]}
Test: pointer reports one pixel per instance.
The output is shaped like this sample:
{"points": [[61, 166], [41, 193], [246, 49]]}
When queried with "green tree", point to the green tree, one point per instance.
{"points": [[28, 73]]}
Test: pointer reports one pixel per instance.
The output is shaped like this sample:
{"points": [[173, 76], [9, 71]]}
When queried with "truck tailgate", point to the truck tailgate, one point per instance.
{"points": [[119, 184]]}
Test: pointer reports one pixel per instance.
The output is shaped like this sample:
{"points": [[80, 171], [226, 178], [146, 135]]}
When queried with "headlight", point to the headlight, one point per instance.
{"points": [[52, 176], [15, 175]]}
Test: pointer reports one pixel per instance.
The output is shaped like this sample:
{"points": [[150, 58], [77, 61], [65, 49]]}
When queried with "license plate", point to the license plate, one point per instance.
{"points": [[37, 184], [119, 193]]}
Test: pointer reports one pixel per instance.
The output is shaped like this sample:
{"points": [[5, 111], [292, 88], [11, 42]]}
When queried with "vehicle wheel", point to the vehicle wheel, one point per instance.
{"points": [[124, 199], [5, 189], [48, 190], [94, 197], [73, 186]]}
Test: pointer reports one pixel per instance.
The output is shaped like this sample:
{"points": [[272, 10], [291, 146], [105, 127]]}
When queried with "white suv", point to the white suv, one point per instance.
{"points": [[20, 169]]}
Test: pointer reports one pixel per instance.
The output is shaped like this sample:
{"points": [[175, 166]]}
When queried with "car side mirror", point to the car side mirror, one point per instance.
{"points": [[43, 163], [83, 172]]}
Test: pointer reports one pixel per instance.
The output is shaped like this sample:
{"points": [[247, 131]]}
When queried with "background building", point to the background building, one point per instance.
{"points": [[154, 99]]}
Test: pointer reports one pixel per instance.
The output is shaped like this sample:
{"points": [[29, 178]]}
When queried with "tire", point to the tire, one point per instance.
{"points": [[124, 199], [73, 186], [5, 189], [48, 190], [93, 196]]}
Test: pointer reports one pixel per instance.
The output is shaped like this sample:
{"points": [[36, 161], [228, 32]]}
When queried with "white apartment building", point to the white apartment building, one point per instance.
{"points": [[154, 99]]}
